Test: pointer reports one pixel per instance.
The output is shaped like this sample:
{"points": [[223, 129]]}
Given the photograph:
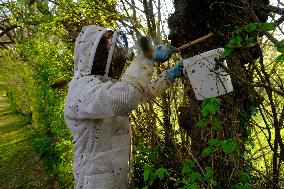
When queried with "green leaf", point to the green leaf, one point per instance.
{"points": [[201, 123], [267, 26], [214, 142], [207, 151], [226, 53], [280, 58], [208, 173], [243, 186], [162, 173], [153, 155], [194, 186], [228, 146], [214, 100], [209, 109], [217, 124], [236, 41], [187, 167], [245, 178], [280, 46], [195, 176], [251, 27], [254, 111], [148, 172]]}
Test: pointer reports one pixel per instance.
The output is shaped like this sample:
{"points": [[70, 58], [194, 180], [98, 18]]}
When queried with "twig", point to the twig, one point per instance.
{"points": [[259, 172], [249, 83]]}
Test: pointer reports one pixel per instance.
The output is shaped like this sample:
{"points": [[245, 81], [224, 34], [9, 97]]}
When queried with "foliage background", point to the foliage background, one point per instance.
{"points": [[37, 40]]}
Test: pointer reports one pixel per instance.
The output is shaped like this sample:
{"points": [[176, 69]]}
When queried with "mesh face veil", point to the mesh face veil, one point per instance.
{"points": [[86, 46], [119, 55]]}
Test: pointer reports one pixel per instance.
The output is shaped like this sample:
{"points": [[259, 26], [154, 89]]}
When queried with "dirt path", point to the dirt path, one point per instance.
{"points": [[20, 165]]}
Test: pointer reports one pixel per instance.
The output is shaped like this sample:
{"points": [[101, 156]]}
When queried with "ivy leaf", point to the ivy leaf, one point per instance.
{"points": [[210, 108], [251, 27], [280, 58], [236, 41], [186, 170], [243, 186], [153, 155], [148, 172], [214, 100], [208, 173], [195, 176], [229, 146], [226, 53], [190, 163], [280, 46], [245, 178], [267, 26], [251, 42], [194, 186], [187, 167], [207, 151], [214, 142], [161, 173]]}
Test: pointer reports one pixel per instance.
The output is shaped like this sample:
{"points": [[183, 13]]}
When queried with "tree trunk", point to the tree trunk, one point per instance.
{"points": [[193, 19]]}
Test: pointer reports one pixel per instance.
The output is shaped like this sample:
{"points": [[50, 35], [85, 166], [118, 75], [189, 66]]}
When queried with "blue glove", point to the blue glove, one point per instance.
{"points": [[162, 53], [175, 72]]}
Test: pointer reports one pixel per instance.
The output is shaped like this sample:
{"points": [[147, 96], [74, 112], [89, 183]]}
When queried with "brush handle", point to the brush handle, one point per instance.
{"points": [[195, 42]]}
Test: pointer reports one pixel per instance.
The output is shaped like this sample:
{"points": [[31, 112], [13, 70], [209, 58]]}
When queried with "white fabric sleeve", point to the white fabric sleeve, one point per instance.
{"points": [[139, 73], [156, 87], [107, 100]]}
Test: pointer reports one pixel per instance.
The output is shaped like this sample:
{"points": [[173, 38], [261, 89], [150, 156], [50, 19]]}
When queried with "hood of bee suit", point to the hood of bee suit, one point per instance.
{"points": [[85, 49]]}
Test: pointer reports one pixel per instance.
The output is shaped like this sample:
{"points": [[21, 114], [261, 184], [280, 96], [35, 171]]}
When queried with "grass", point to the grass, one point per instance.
{"points": [[20, 165]]}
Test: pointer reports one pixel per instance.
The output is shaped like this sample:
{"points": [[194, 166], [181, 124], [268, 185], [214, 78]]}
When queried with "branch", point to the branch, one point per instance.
{"points": [[133, 6], [258, 84], [8, 29], [273, 9], [256, 19], [259, 172], [6, 42], [280, 20]]}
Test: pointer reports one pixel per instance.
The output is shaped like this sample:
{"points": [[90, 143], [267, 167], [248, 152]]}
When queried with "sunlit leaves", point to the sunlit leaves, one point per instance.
{"points": [[242, 37]]}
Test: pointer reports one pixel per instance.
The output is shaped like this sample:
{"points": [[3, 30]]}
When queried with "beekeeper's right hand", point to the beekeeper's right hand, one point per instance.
{"points": [[162, 53]]}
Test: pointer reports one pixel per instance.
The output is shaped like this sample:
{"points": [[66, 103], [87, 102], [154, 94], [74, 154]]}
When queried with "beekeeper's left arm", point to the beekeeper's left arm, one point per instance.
{"points": [[159, 85]]}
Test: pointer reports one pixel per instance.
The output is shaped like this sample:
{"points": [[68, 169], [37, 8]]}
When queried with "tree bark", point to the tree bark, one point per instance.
{"points": [[193, 19]]}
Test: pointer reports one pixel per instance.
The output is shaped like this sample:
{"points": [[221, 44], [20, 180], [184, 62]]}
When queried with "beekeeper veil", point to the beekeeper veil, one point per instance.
{"points": [[100, 51]]}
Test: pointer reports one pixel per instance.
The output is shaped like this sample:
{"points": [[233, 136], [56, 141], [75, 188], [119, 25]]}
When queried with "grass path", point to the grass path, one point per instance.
{"points": [[20, 165]]}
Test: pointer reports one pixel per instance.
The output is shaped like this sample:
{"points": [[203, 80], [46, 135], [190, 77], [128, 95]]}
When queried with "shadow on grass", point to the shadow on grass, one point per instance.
{"points": [[20, 165]]}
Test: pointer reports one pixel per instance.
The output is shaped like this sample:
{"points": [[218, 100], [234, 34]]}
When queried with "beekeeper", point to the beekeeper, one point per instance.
{"points": [[98, 104]]}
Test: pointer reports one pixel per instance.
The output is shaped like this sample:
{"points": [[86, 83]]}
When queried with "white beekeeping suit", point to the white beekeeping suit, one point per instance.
{"points": [[96, 112]]}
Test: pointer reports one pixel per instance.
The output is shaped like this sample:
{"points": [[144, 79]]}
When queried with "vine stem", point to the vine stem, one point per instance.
{"points": [[195, 160]]}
